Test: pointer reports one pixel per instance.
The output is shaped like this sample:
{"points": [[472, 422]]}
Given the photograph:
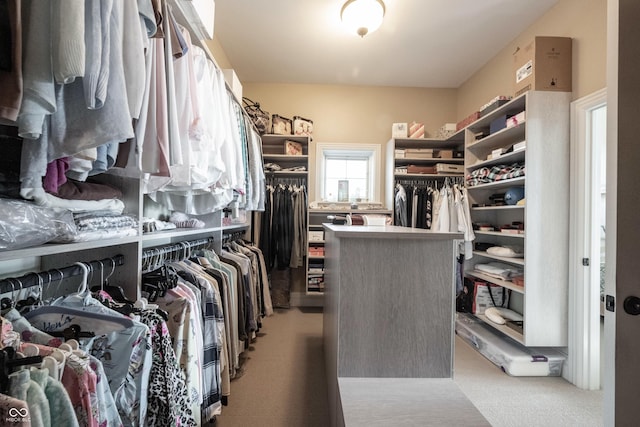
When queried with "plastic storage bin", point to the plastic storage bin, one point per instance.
{"points": [[509, 355]]}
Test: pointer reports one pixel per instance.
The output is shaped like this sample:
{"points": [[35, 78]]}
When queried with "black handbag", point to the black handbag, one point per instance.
{"points": [[258, 116]]}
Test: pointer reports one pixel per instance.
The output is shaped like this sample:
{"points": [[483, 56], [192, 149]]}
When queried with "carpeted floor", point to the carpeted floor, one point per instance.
{"points": [[284, 384]]}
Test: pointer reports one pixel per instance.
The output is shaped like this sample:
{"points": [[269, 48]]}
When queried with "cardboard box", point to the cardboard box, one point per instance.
{"points": [[543, 64], [421, 169], [445, 154], [399, 130]]}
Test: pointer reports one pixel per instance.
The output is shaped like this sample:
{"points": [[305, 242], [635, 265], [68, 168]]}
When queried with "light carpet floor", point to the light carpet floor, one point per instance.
{"points": [[284, 384]]}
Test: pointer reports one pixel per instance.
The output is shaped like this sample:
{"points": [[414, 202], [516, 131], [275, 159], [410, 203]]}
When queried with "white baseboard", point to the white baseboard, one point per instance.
{"points": [[301, 299]]}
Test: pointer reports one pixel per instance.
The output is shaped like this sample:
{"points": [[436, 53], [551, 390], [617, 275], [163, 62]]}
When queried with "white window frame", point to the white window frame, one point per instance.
{"points": [[333, 149]]}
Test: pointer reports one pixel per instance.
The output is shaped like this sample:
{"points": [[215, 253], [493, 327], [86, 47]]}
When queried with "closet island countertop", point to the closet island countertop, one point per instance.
{"points": [[389, 232]]}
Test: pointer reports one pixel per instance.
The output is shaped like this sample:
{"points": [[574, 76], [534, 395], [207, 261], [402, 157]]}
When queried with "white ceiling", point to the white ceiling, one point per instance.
{"points": [[421, 43]]}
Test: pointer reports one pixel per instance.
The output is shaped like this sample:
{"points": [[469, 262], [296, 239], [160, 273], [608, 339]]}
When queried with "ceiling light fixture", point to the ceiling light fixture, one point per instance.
{"points": [[362, 16]]}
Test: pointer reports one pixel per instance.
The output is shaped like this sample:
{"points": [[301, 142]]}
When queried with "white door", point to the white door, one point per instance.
{"points": [[622, 329]]}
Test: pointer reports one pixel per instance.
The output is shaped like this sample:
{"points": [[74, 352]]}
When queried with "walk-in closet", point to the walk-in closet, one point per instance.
{"points": [[316, 214]]}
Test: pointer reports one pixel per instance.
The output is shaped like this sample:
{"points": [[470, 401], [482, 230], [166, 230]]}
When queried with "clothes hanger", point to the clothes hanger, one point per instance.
{"points": [[7, 303], [30, 300], [115, 292], [85, 275]]}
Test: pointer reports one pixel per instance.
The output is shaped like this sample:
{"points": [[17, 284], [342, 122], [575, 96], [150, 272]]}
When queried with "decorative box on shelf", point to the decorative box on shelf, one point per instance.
{"points": [[316, 250], [446, 131], [292, 148], [516, 120], [399, 130], [416, 130], [316, 236], [468, 120], [449, 168]]}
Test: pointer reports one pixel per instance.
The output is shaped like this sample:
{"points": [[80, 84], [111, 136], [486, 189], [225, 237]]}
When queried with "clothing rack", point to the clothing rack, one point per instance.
{"points": [[154, 258], [57, 274], [431, 182], [275, 180], [233, 235]]}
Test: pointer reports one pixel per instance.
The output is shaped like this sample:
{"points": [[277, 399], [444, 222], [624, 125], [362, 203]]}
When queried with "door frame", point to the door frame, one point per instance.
{"points": [[584, 360]]}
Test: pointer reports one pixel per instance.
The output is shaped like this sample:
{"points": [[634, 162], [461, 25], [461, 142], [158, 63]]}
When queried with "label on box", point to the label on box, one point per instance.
{"points": [[525, 71]]}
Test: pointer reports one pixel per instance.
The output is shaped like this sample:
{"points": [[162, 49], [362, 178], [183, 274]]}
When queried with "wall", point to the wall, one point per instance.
{"points": [[355, 114], [583, 20], [364, 114]]}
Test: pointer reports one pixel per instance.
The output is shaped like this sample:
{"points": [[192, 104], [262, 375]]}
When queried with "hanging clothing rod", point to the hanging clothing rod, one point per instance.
{"points": [[275, 180], [233, 235], [154, 258], [45, 278]]}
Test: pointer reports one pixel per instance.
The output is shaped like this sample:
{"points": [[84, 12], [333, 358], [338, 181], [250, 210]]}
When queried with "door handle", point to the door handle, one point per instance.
{"points": [[632, 305]]}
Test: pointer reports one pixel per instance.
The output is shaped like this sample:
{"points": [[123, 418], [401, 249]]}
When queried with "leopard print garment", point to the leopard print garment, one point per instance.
{"points": [[169, 403]]}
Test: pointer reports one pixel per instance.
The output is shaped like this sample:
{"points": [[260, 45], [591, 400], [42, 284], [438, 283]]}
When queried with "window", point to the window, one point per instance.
{"points": [[347, 174]]}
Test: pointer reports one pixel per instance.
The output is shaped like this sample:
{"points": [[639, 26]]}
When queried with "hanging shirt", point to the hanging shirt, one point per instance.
{"points": [[120, 343]]}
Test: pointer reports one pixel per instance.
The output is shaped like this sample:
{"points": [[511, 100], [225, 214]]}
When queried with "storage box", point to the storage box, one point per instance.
{"points": [[419, 153], [446, 131], [449, 168], [543, 64], [399, 130], [421, 169], [520, 146], [292, 148], [509, 355], [468, 120], [316, 236], [416, 130], [496, 102], [516, 120], [316, 250], [498, 124], [445, 154]]}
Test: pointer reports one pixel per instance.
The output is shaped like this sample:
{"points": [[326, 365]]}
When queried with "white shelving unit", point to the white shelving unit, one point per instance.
{"points": [[545, 214], [453, 145], [273, 151], [316, 263]]}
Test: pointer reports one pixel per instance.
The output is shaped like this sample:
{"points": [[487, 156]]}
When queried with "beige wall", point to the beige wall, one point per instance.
{"points": [[583, 20], [364, 114], [355, 114]]}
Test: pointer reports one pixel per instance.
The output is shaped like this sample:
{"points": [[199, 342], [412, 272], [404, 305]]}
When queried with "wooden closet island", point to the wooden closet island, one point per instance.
{"points": [[389, 305]]}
